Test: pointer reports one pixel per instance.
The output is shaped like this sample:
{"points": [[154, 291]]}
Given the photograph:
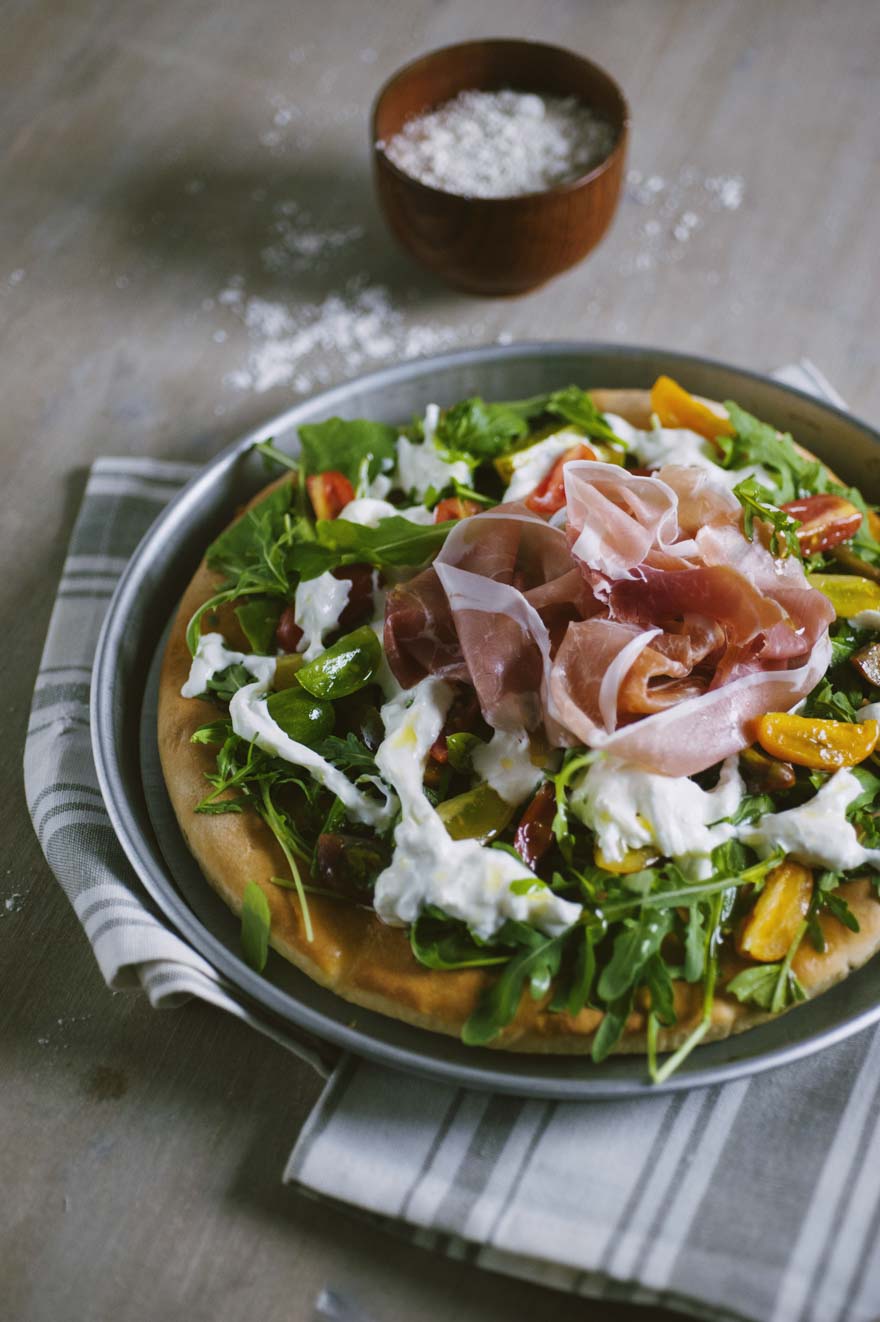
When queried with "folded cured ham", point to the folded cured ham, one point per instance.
{"points": [[650, 626]]}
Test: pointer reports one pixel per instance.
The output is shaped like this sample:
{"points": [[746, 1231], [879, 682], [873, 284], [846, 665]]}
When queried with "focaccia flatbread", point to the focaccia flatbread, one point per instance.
{"points": [[370, 964]]}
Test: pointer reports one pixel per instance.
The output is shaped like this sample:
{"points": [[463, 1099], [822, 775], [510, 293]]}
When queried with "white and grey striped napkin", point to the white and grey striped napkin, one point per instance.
{"points": [[757, 1200], [132, 944]]}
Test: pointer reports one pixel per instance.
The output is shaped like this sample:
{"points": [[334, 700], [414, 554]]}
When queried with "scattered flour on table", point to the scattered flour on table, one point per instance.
{"points": [[309, 344], [669, 212]]}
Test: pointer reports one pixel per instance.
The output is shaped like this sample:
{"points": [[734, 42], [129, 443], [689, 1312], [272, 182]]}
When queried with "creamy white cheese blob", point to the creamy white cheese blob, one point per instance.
{"points": [[679, 445], [317, 606], [467, 880], [629, 808], [869, 713], [505, 764], [376, 488], [369, 512], [420, 466], [532, 465], [818, 831], [866, 620], [212, 656], [251, 720]]}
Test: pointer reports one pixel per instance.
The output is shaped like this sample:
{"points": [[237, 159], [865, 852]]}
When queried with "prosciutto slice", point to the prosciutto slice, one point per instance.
{"points": [[492, 609], [648, 625]]}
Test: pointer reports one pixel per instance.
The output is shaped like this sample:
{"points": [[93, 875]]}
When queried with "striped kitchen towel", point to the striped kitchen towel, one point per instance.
{"points": [[758, 1199], [132, 944]]}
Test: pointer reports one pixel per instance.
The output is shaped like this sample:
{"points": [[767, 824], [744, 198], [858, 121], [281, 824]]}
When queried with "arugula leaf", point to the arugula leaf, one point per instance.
{"points": [[756, 503], [837, 905], [750, 807], [576, 406], [479, 431], [573, 762], [695, 945], [272, 455], [441, 942], [255, 555], [833, 704], [243, 545], [870, 783], [845, 641], [256, 919], [215, 732], [761, 986], [537, 962], [348, 754], [578, 975], [258, 617], [343, 444], [659, 984], [634, 946], [610, 1030], [227, 682], [685, 892], [394, 542], [729, 858], [758, 443]]}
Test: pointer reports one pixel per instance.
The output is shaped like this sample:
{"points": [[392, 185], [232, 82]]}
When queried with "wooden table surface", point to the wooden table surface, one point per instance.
{"points": [[184, 187]]}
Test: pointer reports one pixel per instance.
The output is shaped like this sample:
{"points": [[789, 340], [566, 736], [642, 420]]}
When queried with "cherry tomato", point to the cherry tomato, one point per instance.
{"points": [[455, 507], [287, 632], [329, 493], [549, 495], [534, 835], [359, 606], [825, 521], [462, 715]]}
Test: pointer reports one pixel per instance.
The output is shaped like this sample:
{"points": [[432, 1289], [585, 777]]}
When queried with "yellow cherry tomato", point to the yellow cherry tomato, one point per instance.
{"points": [[633, 861], [676, 407], [811, 742], [779, 910], [848, 593]]}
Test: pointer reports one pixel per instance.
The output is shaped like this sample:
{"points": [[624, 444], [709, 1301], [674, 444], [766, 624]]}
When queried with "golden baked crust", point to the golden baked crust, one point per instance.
{"points": [[368, 963]]}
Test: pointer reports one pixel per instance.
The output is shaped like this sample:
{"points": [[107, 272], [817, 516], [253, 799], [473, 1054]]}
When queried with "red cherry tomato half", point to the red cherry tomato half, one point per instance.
{"points": [[825, 520], [455, 507], [287, 632], [329, 493], [549, 495]]}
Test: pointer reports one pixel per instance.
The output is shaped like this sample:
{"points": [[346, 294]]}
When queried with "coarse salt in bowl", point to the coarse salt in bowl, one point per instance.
{"points": [[498, 163]]}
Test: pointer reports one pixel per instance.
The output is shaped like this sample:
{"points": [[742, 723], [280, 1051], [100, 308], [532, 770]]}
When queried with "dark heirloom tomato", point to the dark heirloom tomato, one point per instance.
{"points": [[288, 634], [349, 864], [455, 507], [462, 716], [534, 835], [329, 493], [867, 662], [825, 521], [549, 495], [359, 606]]}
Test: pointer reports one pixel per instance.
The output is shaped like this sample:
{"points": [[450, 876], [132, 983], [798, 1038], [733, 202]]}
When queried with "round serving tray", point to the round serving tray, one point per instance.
{"points": [[123, 717]]}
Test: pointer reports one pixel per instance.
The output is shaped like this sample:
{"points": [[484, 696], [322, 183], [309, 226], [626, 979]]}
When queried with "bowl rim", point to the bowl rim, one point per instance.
{"points": [[383, 161]]}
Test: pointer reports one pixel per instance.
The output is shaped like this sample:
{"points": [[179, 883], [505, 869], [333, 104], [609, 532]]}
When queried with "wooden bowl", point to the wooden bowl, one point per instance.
{"points": [[504, 245]]}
